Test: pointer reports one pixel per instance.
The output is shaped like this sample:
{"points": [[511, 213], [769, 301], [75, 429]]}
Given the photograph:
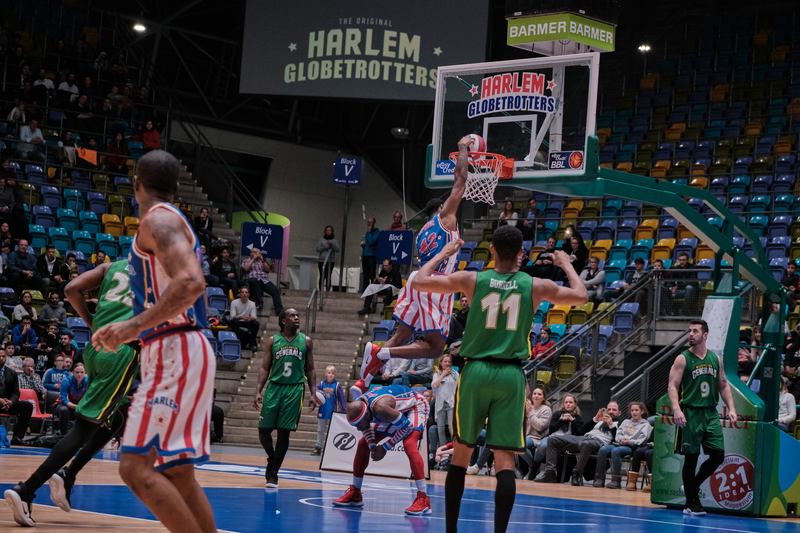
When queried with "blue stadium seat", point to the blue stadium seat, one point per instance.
{"points": [[624, 317], [604, 333], [627, 229], [212, 340], [738, 203], [43, 216], [81, 331], [606, 230], [89, 221], [383, 331], [475, 266], [557, 331], [73, 199], [779, 226], [667, 229], [229, 346], [217, 299], [107, 243], [125, 243], [60, 239], [614, 270], [758, 223], [784, 183], [38, 235], [620, 250], [762, 183], [779, 246], [642, 249], [50, 196], [778, 266], [719, 185], [97, 202], [67, 219], [706, 265], [759, 203], [84, 242], [586, 229], [687, 245]]}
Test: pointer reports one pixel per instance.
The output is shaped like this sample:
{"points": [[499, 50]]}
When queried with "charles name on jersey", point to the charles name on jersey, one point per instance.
{"points": [[704, 369], [509, 285], [289, 351]]}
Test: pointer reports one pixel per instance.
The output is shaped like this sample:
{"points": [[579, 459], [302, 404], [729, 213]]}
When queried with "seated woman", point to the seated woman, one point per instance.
{"points": [[631, 433]]}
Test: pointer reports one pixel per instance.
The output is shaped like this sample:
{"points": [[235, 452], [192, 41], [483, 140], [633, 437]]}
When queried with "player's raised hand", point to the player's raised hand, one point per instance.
{"points": [[465, 142], [452, 247], [561, 259], [109, 337]]}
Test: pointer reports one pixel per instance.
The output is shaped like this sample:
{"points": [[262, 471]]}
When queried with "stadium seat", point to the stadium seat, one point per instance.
{"points": [[627, 229], [668, 229], [624, 317], [566, 367], [779, 246], [606, 230], [43, 216], [586, 229], [558, 314], [383, 331], [600, 249], [783, 204], [541, 312], [662, 250], [122, 184], [96, 202], [784, 183], [475, 266], [580, 314], [779, 226], [101, 183], [50, 197], [703, 252], [557, 331], [73, 199], [107, 244], [217, 299], [112, 224], [83, 241], [89, 221], [604, 333], [125, 243], [758, 223], [38, 235], [759, 203], [646, 229], [67, 219], [118, 205], [79, 328], [132, 225], [687, 245], [229, 346], [642, 249], [208, 334], [620, 250], [614, 269], [777, 266], [60, 239]]}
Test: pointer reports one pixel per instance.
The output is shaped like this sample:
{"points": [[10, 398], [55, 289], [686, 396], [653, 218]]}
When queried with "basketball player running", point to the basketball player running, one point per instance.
{"points": [[168, 421], [110, 377], [289, 364], [417, 310], [699, 375], [386, 416], [496, 342]]}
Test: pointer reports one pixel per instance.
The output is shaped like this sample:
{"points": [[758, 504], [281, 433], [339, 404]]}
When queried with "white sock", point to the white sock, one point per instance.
{"points": [[384, 354], [420, 485], [368, 379], [357, 481]]}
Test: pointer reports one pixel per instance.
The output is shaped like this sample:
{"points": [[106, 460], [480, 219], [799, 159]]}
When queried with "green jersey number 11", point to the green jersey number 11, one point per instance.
{"points": [[491, 305]]}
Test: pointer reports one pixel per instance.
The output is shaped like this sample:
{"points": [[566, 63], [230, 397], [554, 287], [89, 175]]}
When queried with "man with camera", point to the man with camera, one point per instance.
{"points": [[256, 270]]}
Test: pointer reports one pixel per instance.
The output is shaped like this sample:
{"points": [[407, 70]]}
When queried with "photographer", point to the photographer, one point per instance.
{"points": [[255, 270]]}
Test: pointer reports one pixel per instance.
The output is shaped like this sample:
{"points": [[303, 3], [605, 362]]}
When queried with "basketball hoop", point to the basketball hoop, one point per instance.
{"points": [[484, 171]]}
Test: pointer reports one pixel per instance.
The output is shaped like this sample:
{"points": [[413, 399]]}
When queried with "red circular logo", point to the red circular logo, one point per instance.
{"points": [[576, 160], [732, 483]]}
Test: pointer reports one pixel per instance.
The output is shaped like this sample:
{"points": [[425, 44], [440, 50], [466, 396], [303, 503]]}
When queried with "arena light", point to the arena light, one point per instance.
{"points": [[644, 48], [139, 27]]}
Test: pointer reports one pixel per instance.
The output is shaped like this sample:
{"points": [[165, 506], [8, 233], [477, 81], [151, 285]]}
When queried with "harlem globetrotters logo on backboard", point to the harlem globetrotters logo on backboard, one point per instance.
{"points": [[512, 91], [732, 483]]}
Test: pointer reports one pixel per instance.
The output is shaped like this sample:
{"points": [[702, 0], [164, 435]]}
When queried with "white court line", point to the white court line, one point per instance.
{"points": [[307, 501]]}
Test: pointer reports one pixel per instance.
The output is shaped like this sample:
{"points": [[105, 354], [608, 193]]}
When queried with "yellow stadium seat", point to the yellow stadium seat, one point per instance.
{"points": [[662, 249], [580, 314], [625, 166], [684, 232], [647, 229], [600, 249], [558, 314], [131, 225], [566, 367], [112, 224], [703, 252]]}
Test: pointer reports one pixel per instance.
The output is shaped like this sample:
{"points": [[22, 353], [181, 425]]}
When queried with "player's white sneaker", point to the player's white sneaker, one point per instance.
{"points": [[472, 470], [21, 509]]}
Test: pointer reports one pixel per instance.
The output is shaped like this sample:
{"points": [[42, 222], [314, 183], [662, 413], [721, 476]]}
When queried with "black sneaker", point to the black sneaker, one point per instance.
{"points": [[694, 509], [272, 481], [20, 506], [61, 489], [548, 476], [577, 479]]}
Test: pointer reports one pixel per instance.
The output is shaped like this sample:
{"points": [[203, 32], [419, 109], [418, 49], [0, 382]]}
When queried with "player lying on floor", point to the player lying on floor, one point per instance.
{"points": [[386, 416]]}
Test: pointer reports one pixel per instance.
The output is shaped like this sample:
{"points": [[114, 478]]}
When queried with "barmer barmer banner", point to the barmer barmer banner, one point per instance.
{"points": [[372, 49]]}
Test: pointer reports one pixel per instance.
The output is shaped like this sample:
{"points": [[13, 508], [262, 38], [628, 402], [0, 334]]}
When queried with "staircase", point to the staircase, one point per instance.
{"points": [[337, 340]]}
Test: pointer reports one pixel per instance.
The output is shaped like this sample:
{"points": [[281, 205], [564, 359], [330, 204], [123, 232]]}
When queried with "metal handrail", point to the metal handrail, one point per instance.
{"points": [[644, 370], [311, 311], [321, 282]]}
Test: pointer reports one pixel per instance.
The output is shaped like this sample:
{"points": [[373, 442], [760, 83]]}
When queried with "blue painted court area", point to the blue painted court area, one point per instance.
{"points": [[294, 510]]}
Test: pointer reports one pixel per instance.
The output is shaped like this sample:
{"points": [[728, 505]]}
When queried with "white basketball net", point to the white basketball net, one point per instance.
{"points": [[482, 177]]}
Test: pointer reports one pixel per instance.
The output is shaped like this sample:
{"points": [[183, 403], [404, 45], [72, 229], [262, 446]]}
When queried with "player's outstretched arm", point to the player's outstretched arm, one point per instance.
{"points": [[164, 234], [88, 281], [311, 378], [463, 281], [575, 294], [450, 207], [263, 371]]}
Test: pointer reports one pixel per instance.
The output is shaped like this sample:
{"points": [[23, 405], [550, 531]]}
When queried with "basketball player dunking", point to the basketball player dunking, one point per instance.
{"points": [[168, 422], [419, 311]]}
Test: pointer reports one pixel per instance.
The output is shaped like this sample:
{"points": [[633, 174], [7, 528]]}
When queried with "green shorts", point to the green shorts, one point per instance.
{"points": [[110, 377], [494, 391], [702, 428], [281, 406]]}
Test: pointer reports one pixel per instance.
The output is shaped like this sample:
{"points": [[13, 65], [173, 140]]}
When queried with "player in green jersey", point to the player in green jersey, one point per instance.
{"points": [[696, 381], [110, 377], [288, 365], [496, 342]]}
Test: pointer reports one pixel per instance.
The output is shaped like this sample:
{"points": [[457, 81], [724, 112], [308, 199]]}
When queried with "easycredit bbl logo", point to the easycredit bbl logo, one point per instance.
{"points": [[571, 160], [445, 167]]}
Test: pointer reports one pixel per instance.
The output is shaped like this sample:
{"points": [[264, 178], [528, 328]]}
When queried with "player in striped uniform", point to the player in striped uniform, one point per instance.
{"points": [[168, 422], [386, 416], [110, 377], [416, 310], [700, 377], [496, 343], [288, 366]]}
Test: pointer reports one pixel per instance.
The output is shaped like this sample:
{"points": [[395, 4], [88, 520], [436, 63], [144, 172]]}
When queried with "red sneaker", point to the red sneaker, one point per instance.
{"points": [[371, 364], [351, 498], [357, 389], [420, 506]]}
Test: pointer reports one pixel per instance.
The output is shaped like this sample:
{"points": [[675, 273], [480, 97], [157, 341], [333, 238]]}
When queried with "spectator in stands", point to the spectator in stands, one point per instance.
{"points": [[369, 249], [6, 239], [9, 400], [631, 433], [790, 280], [54, 310], [594, 278], [7, 202], [116, 155], [444, 390], [397, 222], [682, 284], [543, 343], [746, 361], [70, 266], [388, 275], [642, 452], [787, 406], [69, 350], [244, 319], [98, 258], [25, 307], [327, 248], [537, 414], [391, 371], [22, 269], [334, 403], [72, 390], [31, 380], [256, 269], [87, 89], [528, 224], [32, 145], [567, 420], [67, 154], [458, 321], [204, 227], [151, 137], [108, 109], [543, 266], [585, 444], [17, 114], [508, 216], [14, 359], [24, 336], [67, 90], [632, 278], [576, 248], [48, 348], [48, 267], [755, 342], [18, 220], [82, 113], [205, 266], [415, 372], [53, 376], [225, 269], [46, 84]]}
